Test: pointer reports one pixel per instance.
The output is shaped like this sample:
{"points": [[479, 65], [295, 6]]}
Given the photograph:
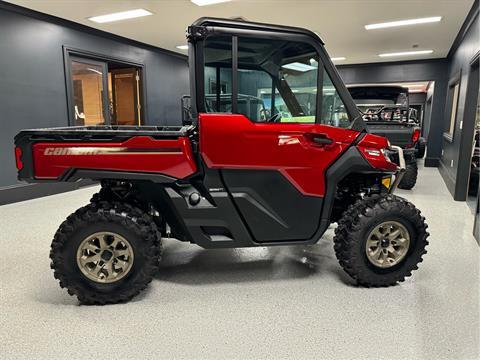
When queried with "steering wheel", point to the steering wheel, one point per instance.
{"points": [[275, 118]]}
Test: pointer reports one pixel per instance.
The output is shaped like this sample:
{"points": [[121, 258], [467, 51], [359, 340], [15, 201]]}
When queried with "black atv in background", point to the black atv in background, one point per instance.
{"points": [[387, 113]]}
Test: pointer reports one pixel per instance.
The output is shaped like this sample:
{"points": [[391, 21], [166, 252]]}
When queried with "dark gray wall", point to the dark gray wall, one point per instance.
{"points": [[427, 70], [32, 79], [454, 161]]}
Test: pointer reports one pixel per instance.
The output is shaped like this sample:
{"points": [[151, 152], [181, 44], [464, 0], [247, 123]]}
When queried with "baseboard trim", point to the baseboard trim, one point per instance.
{"points": [[447, 178], [22, 192]]}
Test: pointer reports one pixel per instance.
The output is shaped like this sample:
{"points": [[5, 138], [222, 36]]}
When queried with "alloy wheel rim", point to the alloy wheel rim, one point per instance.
{"points": [[387, 244], [105, 257]]}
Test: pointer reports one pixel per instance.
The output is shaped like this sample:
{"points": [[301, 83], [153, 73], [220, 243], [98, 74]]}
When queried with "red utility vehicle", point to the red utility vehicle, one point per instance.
{"points": [[275, 151]]}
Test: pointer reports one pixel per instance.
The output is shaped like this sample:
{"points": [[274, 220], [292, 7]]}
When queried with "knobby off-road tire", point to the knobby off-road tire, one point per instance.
{"points": [[420, 150], [104, 194], [409, 177], [126, 222], [355, 228]]}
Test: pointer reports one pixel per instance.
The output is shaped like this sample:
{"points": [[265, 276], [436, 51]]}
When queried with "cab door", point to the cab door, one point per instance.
{"points": [[270, 133], [274, 172]]}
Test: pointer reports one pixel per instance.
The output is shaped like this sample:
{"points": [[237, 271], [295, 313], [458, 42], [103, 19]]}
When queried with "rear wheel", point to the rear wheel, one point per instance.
{"points": [[409, 178], [105, 194], [106, 252], [380, 240]]}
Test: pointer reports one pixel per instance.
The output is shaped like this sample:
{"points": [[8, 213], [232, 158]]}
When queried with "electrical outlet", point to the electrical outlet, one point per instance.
{"points": [[451, 163]]}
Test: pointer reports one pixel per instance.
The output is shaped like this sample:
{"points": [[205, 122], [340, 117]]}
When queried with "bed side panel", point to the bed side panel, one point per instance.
{"points": [[142, 154]]}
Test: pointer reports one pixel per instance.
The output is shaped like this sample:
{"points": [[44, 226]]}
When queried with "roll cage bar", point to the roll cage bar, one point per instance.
{"points": [[205, 27]]}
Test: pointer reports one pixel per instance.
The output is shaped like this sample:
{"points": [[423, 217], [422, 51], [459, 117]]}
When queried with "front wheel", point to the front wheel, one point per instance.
{"points": [[380, 240], [106, 252]]}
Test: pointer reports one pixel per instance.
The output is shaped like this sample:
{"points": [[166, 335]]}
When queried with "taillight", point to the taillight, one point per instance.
{"points": [[416, 135], [18, 158]]}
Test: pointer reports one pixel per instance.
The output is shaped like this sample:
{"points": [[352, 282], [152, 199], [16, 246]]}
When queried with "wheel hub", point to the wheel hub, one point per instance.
{"points": [[387, 244], [105, 257]]}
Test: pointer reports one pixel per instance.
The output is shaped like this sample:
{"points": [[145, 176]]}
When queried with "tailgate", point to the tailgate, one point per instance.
{"points": [[398, 135], [69, 154]]}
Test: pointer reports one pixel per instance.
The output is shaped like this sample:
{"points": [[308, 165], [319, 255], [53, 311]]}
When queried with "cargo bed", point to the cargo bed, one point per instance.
{"points": [[106, 132], [156, 153]]}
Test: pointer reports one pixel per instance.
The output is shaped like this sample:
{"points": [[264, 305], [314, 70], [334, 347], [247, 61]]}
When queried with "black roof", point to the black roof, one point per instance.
{"points": [[240, 24]]}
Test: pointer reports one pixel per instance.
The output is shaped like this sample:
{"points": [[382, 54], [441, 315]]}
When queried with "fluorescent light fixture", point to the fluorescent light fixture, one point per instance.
{"points": [[403, 23], [406, 53], [182, 47], [338, 58], [130, 14], [208, 2], [299, 67]]}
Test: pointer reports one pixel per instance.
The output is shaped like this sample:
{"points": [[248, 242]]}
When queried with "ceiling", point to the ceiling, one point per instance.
{"points": [[340, 23]]}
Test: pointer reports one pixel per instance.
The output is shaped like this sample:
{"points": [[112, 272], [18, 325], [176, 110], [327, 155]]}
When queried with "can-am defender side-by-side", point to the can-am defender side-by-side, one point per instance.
{"points": [[245, 172], [387, 113]]}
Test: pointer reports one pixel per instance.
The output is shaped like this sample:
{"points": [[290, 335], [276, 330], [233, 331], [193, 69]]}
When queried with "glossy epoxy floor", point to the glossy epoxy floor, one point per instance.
{"points": [[278, 303]]}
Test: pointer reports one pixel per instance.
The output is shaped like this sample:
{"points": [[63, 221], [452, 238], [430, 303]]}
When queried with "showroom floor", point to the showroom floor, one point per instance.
{"points": [[290, 302]]}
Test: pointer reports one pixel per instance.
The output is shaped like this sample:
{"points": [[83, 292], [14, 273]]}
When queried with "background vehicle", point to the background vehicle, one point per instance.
{"points": [[231, 179], [387, 113]]}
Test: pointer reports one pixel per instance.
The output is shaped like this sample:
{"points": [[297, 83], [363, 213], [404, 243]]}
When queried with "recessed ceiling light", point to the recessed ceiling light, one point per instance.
{"points": [[208, 2], [403, 23], [297, 66], [130, 14], [182, 47], [406, 53], [338, 58]]}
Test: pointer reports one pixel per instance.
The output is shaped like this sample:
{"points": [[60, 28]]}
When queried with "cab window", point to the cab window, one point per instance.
{"points": [[218, 74], [333, 108], [276, 81]]}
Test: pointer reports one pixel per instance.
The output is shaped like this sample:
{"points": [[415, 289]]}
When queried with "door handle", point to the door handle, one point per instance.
{"points": [[320, 139]]}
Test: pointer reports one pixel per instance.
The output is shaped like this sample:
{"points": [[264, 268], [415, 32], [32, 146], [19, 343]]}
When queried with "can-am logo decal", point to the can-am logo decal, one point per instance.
{"points": [[62, 151]]}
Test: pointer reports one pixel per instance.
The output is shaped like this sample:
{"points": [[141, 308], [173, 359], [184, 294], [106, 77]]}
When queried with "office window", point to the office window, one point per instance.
{"points": [[103, 92], [88, 88]]}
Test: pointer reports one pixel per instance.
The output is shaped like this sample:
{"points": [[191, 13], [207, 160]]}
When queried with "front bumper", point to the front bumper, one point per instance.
{"points": [[396, 154]]}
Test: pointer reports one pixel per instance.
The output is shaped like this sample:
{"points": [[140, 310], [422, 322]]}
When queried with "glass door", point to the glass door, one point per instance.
{"points": [[89, 100], [124, 85]]}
